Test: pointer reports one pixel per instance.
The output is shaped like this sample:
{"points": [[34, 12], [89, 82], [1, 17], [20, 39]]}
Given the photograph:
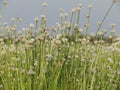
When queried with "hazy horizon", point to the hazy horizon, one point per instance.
{"points": [[28, 9]]}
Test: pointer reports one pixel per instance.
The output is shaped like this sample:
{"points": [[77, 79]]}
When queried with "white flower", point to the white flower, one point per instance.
{"points": [[12, 19], [113, 31], [61, 15], [118, 72], [110, 60], [5, 2], [100, 33], [80, 30], [22, 71], [92, 34], [90, 6], [58, 36], [32, 26], [36, 19], [64, 40], [14, 27], [31, 72], [20, 32], [36, 63], [110, 36], [76, 26], [49, 56], [1, 72], [78, 8], [9, 30], [99, 23], [42, 16], [113, 25], [32, 40], [40, 37], [58, 42], [3, 52], [1, 86], [80, 5], [19, 19], [23, 40], [73, 10], [44, 4], [66, 14], [117, 39]]}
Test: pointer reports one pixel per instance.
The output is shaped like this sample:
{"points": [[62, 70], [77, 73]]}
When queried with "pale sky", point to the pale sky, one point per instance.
{"points": [[28, 9]]}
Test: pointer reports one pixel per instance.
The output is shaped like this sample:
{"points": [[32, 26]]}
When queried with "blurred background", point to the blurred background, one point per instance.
{"points": [[29, 9]]}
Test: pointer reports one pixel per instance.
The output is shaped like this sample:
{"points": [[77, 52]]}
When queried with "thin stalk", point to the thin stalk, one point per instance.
{"points": [[69, 29], [36, 27], [78, 18], [74, 19], [104, 17], [88, 23]]}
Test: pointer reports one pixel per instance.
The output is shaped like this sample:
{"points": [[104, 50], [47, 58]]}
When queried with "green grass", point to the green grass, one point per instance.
{"points": [[58, 58]]}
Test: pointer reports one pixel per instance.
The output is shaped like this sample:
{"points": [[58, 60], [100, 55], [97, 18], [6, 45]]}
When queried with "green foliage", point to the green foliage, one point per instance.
{"points": [[58, 58]]}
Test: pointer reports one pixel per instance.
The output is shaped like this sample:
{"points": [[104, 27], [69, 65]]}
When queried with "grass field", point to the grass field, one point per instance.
{"points": [[63, 57]]}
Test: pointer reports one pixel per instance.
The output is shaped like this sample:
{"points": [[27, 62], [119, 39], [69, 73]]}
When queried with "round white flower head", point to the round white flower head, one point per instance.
{"points": [[73, 10], [19, 19], [5, 2], [90, 6], [113, 25], [31, 25], [61, 10], [12, 19], [36, 19], [80, 5], [66, 14], [99, 23], [78, 8], [42, 16], [80, 30], [44, 4], [113, 31]]}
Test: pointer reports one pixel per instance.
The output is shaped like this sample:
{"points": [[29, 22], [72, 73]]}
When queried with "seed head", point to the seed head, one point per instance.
{"points": [[113, 31], [90, 6], [12, 19], [5, 2], [19, 19], [73, 10], [118, 72], [36, 19], [110, 36], [31, 26], [113, 25], [80, 5], [61, 15], [66, 14], [80, 30], [114, 1], [61, 10], [78, 8], [44, 4]]}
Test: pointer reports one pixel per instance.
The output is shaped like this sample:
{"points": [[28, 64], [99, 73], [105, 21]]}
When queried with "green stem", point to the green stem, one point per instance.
{"points": [[104, 18]]}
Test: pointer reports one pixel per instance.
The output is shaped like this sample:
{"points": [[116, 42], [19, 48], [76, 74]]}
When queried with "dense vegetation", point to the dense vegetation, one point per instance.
{"points": [[59, 58]]}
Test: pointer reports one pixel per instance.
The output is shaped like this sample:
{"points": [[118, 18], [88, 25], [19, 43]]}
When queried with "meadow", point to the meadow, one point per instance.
{"points": [[61, 57]]}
